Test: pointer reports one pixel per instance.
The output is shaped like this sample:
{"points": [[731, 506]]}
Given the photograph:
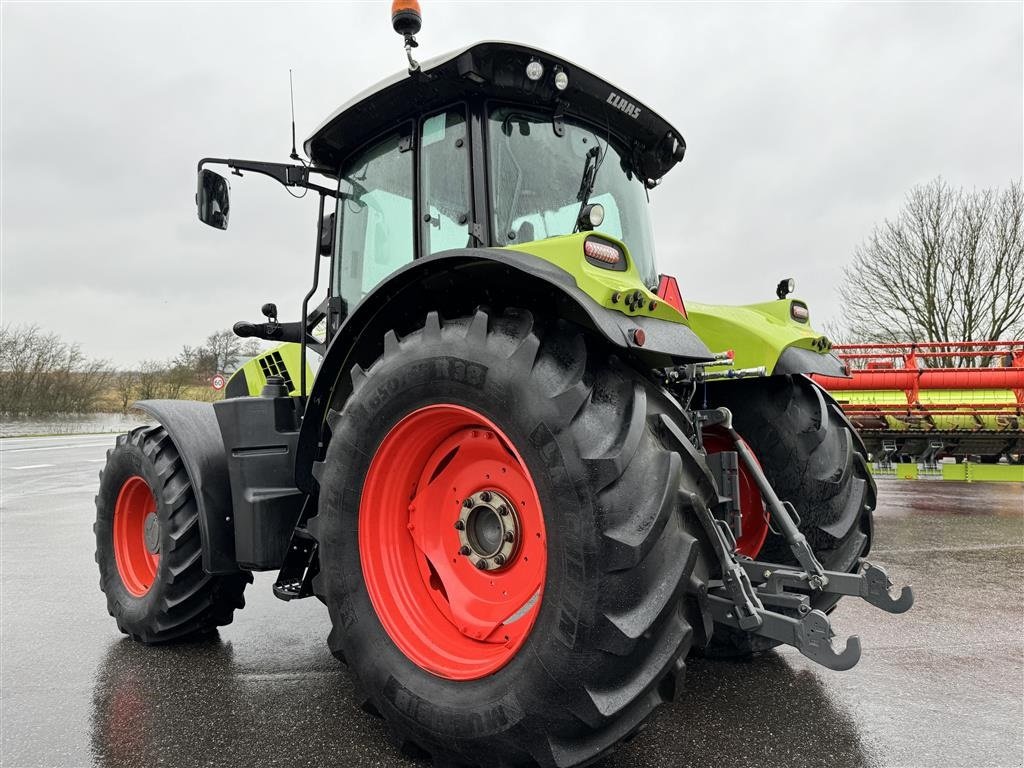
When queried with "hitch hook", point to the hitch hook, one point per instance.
{"points": [[874, 588], [815, 642]]}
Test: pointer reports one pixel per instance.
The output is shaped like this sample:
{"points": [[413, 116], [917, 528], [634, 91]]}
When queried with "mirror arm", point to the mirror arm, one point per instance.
{"points": [[287, 175]]}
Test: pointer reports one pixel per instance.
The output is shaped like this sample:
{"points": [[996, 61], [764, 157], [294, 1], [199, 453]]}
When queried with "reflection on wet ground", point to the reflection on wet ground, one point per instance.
{"points": [[939, 686], [303, 716]]}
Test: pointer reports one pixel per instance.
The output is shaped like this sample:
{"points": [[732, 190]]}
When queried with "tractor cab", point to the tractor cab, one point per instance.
{"points": [[494, 145], [497, 144]]}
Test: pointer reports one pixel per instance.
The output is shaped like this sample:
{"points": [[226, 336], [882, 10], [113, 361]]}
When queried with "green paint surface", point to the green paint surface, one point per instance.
{"points": [[757, 333], [602, 285], [290, 355], [907, 471]]}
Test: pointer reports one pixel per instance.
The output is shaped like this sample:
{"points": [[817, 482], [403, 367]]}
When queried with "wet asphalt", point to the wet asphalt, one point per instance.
{"points": [[942, 685]]}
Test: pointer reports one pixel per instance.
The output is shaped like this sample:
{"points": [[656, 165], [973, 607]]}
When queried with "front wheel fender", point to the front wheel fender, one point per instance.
{"points": [[193, 429]]}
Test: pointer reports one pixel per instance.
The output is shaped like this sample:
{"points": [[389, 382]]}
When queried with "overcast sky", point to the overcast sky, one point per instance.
{"points": [[806, 124]]}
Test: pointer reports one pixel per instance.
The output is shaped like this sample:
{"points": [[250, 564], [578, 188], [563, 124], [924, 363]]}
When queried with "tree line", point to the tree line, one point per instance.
{"points": [[948, 267], [42, 374]]}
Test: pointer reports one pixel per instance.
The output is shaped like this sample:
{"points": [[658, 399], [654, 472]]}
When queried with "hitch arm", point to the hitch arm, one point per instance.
{"points": [[742, 598], [782, 511], [871, 583], [811, 634]]}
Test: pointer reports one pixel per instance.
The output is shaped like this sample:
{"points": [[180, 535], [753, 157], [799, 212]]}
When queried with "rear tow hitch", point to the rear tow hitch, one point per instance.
{"points": [[752, 595]]}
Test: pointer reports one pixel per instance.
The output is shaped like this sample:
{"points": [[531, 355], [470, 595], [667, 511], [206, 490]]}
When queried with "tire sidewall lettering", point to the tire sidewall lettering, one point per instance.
{"points": [[446, 721]]}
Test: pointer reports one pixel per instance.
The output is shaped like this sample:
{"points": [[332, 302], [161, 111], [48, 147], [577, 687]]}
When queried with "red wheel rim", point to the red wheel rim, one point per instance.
{"points": [[753, 515], [439, 468], [136, 562]]}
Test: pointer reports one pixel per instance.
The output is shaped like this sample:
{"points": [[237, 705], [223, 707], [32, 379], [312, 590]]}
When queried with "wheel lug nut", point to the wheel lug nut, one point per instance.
{"points": [[485, 496], [459, 525], [499, 559], [464, 550], [503, 510], [509, 536], [481, 564], [468, 503]]}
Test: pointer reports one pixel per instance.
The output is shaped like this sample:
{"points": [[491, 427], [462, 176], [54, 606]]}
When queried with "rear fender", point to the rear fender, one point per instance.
{"points": [[455, 283], [765, 335], [193, 428]]}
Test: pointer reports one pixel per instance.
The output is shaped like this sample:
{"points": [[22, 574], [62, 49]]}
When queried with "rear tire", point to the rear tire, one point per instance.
{"points": [[617, 611], [162, 595], [813, 458]]}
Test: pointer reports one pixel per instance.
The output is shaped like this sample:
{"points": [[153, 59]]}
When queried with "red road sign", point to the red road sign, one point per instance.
{"points": [[218, 382]]}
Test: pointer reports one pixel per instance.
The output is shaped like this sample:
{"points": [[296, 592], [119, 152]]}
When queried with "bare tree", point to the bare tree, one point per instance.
{"points": [[126, 384], [250, 349], [950, 267], [42, 374], [150, 380], [224, 349]]}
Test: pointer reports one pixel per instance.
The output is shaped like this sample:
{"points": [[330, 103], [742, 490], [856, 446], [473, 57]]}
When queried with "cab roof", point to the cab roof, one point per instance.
{"points": [[497, 70]]}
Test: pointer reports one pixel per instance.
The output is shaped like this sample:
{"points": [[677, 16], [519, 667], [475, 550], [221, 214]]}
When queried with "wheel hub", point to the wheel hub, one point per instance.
{"points": [[752, 509], [152, 533], [136, 533], [452, 542], [488, 530]]}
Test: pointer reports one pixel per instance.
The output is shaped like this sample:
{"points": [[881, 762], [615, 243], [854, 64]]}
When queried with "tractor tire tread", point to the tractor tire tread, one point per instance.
{"points": [[639, 487], [826, 478], [184, 601]]}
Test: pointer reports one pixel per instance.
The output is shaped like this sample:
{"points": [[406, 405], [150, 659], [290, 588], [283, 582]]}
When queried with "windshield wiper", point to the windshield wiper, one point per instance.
{"points": [[591, 165]]}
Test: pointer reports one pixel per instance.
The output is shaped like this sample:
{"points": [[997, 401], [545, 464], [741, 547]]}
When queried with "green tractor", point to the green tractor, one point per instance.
{"points": [[526, 480]]}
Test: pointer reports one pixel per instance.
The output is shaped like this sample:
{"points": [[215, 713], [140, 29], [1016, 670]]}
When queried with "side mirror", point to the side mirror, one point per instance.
{"points": [[212, 199], [327, 235]]}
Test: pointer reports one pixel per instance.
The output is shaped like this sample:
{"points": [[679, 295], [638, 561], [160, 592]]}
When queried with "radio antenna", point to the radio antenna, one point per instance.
{"points": [[291, 88]]}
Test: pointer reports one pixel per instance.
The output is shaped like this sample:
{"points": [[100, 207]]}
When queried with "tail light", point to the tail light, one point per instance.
{"points": [[799, 312], [603, 254]]}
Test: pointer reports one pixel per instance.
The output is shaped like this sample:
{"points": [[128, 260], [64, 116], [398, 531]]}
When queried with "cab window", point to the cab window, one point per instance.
{"points": [[374, 217], [537, 183], [444, 164]]}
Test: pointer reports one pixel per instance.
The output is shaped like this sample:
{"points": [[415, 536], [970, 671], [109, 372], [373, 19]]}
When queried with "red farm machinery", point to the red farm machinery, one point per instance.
{"points": [[930, 400]]}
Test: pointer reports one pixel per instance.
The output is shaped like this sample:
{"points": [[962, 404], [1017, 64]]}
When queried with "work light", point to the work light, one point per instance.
{"points": [[785, 287]]}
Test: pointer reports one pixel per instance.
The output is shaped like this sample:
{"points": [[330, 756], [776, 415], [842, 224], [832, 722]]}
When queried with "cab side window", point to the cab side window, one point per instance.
{"points": [[374, 218], [444, 149]]}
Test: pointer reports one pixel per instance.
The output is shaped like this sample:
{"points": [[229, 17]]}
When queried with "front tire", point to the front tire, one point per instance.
{"points": [[614, 613], [148, 547]]}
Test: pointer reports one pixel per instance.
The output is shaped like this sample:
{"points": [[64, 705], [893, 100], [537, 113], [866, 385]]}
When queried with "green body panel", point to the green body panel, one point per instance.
{"points": [[982, 473], [907, 471], [961, 410], [288, 356], [602, 285], [757, 333], [964, 472]]}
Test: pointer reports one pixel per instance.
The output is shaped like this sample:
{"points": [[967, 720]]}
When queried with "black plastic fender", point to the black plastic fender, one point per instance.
{"points": [[799, 360], [455, 283], [193, 428]]}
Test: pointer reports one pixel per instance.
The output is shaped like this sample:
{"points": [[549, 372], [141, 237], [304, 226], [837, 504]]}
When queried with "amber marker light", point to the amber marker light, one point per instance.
{"points": [[406, 17]]}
